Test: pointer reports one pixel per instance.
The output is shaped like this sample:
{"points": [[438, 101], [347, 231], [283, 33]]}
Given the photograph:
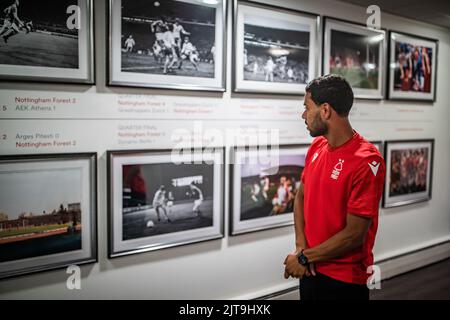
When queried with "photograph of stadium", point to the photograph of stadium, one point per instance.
{"points": [[409, 172], [45, 208], [264, 187], [413, 71], [46, 40], [275, 49], [163, 201], [170, 41], [356, 53]]}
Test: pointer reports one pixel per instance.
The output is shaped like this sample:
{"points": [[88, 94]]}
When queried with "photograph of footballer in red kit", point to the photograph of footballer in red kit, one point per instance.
{"points": [[409, 172], [412, 68]]}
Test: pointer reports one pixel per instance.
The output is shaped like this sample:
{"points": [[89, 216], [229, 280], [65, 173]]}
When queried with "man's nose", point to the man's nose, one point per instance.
{"points": [[304, 115]]}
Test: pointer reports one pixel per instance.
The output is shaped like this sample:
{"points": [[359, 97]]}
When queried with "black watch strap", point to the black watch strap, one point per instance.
{"points": [[302, 259]]}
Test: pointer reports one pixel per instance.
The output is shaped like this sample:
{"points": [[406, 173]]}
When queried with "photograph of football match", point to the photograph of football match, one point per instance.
{"points": [[163, 198], [168, 37]]}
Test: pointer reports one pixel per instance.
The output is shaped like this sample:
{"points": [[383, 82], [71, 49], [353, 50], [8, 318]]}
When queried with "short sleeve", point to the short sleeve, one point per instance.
{"points": [[307, 160], [367, 187]]}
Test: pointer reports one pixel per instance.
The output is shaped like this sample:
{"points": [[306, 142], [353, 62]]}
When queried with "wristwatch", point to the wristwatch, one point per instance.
{"points": [[302, 259]]}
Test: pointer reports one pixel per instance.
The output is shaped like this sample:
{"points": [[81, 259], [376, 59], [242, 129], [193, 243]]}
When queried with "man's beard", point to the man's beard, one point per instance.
{"points": [[318, 128]]}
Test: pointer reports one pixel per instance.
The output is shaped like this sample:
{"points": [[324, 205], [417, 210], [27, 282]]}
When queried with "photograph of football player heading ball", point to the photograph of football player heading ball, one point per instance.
{"points": [[409, 172], [275, 49], [264, 187], [170, 43], [47, 212], [155, 203], [412, 67], [46, 40], [356, 53]]}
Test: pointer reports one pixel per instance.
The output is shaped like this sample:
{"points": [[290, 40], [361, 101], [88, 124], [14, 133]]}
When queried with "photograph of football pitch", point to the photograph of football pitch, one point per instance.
{"points": [[143, 222], [144, 63], [40, 49]]}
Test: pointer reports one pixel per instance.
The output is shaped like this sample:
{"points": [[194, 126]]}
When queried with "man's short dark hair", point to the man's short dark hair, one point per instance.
{"points": [[334, 90]]}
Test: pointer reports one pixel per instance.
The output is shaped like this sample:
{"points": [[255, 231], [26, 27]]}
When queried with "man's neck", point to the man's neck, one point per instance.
{"points": [[339, 135]]}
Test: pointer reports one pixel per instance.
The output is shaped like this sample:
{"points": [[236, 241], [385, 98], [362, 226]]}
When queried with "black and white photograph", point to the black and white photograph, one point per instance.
{"points": [[170, 43], [47, 212], [46, 40], [157, 203], [275, 49], [412, 72], [358, 54], [265, 182], [409, 165]]}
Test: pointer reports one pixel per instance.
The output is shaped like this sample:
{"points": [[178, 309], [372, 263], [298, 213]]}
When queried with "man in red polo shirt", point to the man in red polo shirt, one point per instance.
{"points": [[336, 208]]}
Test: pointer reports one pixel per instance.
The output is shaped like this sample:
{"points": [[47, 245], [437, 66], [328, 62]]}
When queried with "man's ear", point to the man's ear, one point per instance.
{"points": [[326, 111]]}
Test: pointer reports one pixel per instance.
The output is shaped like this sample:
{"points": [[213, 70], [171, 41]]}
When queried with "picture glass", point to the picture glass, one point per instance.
{"points": [[413, 68], [167, 43], [356, 53], [409, 169], [275, 49], [47, 213], [264, 188], [158, 203], [47, 40]]}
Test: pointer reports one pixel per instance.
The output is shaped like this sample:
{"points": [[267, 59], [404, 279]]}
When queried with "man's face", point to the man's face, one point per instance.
{"points": [[313, 121]]}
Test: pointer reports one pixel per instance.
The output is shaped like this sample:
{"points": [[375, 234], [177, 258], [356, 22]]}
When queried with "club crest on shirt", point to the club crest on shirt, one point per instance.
{"points": [[337, 169]]}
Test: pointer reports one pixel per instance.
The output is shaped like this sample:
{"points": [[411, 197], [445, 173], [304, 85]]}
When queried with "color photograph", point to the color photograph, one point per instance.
{"points": [[409, 172], [264, 187], [358, 54], [412, 67], [47, 212]]}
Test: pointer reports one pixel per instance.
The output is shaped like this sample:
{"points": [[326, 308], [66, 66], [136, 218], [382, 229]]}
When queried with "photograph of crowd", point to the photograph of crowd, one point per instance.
{"points": [[168, 37], [356, 58], [409, 165], [45, 34], [265, 183], [409, 170], [265, 193], [275, 54]]}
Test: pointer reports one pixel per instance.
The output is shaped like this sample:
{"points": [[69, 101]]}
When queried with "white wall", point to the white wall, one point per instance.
{"points": [[243, 266]]}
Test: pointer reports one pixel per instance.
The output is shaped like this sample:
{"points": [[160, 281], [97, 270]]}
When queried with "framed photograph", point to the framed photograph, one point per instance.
{"points": [[263, 186], [412, 67], [409, 172], [275, 49], [48, 212], [158, 199], [356, 53], [47, 40], [171, 44]]}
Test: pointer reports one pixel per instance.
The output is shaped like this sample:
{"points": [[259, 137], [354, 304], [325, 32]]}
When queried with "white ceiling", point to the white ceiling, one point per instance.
{"points": [[435, 12]]}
